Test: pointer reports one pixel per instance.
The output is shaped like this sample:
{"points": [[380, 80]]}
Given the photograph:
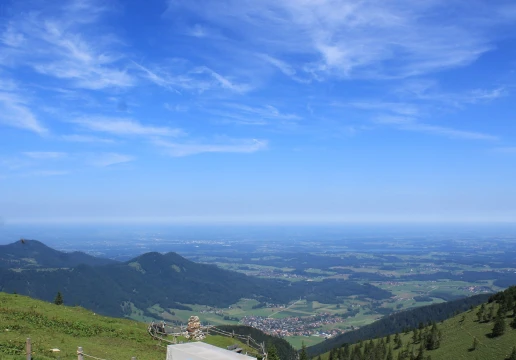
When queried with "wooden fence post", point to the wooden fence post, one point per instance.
{"points": [[79, 353], [28, 349]]}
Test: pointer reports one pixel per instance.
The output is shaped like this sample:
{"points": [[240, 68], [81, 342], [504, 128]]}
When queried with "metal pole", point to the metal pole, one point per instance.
{"points": [[79, 353]]}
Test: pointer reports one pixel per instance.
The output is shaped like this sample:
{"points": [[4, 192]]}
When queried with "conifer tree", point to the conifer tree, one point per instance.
{"points": [[381, 349], [415, 336], [272, 354], [412, 355], [389, 354], [491, 313], [421, 353], [475, 344], [345, 353], [433, 339], [513, 354], [510, 303], [397, 341], [499, 326], [340, 354], [332, 355], [58, 299], [357, 354], [513, 323], [303, 355], [502, 310]]}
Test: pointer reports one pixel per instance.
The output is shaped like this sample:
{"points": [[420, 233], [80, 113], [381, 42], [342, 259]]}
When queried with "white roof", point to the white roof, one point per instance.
{"points": [[202, 351]]}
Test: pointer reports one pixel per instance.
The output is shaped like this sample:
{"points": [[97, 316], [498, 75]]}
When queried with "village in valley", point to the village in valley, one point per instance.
{"points": [[295, 326]]}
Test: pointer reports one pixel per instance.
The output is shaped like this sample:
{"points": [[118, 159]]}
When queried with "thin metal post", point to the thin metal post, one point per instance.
{"points": [[28, 349], [79, 353]]}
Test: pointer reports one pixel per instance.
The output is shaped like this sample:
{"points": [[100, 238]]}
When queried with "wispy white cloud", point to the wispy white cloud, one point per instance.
{"points": [[252, 115], [429, 91], [49, 173], [45, 155], [176, 108], [506, 149], [11, 37], [372, 38], [223, 81], [230, 146], [283, 66], [109, 159], [394, 107], [163, 80], [59, 42], [86, 139], [197, 79], [124, 126], [198, 31], [421, 98], [15, 112], [409, 124]]}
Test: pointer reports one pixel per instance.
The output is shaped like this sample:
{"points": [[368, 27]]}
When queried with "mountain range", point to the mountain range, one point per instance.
{"points": [[168, 280], [27, 254]]}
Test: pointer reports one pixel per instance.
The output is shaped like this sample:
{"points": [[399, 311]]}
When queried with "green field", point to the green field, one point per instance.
{"points": [[298, 341]]}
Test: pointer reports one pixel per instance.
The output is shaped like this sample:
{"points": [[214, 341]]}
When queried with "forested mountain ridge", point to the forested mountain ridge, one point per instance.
{"points": [[31, 254], [484, 332], [168, 280]]}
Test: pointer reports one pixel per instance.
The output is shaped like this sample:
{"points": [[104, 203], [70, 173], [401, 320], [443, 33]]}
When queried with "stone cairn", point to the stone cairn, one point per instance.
{"points": [[193, 330]]}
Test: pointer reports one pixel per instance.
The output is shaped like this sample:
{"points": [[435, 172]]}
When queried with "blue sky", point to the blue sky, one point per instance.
{"points": [[257, 110]]}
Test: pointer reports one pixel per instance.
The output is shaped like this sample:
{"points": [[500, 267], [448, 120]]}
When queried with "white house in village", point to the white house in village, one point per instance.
{"points": [[202, 351]]}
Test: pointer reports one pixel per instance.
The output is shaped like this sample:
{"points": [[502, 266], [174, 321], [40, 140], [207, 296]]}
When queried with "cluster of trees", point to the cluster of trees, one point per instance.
{"points": [[498, 308], [424, 339], [399, 322], [503, 304], [260, 305], [282, 348]]}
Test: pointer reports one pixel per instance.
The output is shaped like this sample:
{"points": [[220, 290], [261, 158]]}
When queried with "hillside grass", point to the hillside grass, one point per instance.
{"points": [[458, 334], [66, 328]]}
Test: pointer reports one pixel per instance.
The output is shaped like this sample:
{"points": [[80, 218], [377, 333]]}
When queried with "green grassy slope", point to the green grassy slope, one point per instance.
{"points": [[458, 334], [66, 328], [400, 321]]}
